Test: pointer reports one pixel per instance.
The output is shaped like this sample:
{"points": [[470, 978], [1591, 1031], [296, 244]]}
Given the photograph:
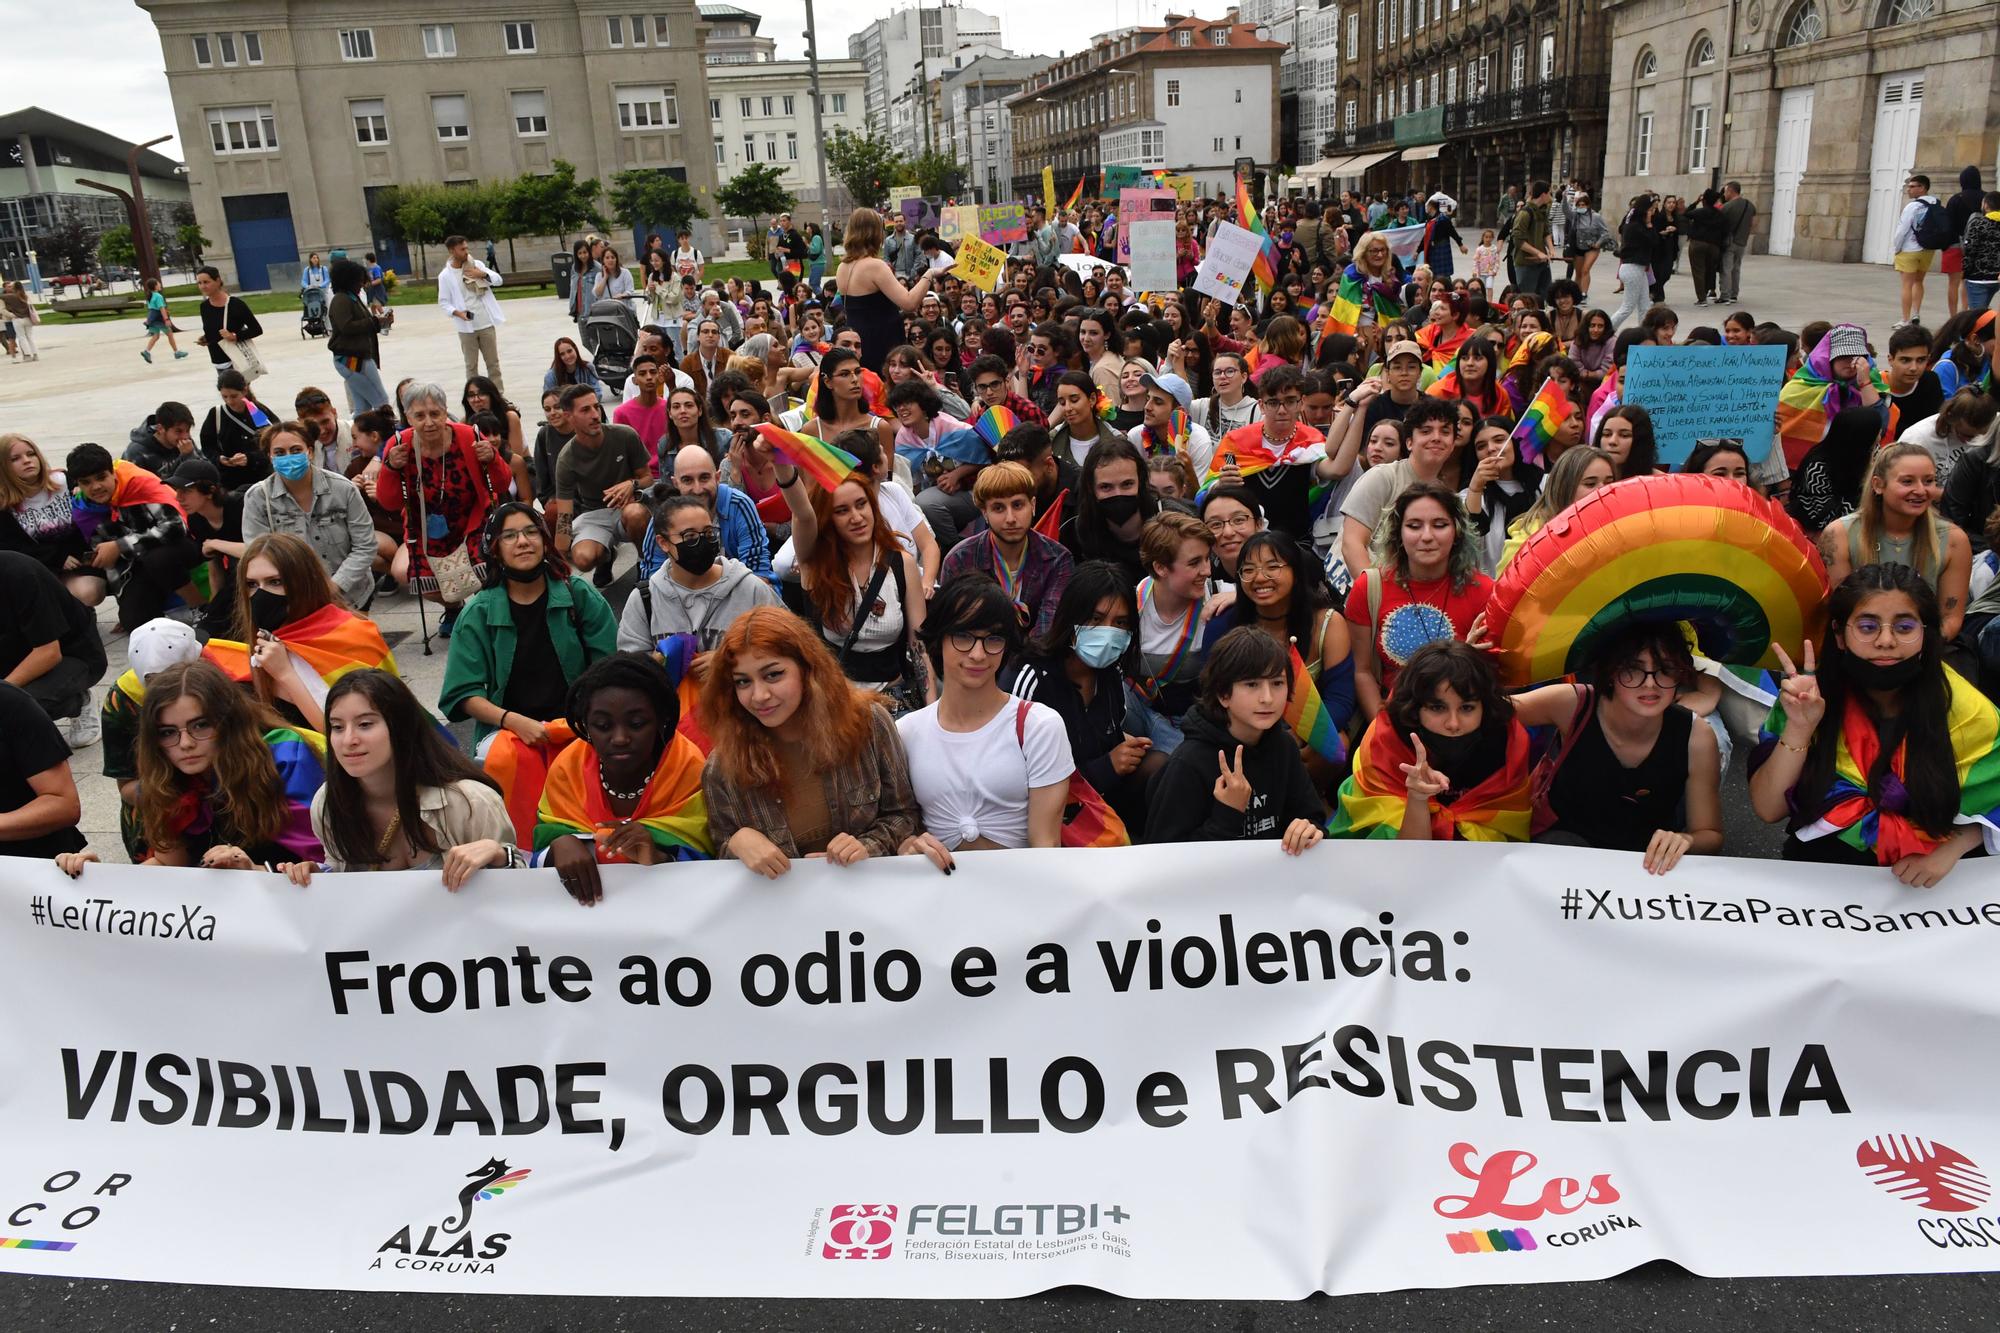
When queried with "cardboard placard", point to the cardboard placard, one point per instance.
{"points": [[1140, 205], [1231, 252], [980, 264], [1706, 393], [1002, 224], [1152, 265]]}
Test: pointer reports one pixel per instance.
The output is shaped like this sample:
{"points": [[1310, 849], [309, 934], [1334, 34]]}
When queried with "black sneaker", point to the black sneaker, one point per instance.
{"points": [[385, 586], [447, 621], [602, 577]]}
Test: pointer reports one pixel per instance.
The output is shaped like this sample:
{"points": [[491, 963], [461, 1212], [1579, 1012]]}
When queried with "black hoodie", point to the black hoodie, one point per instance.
{"points": [[1181, 805], [1961, 206]]}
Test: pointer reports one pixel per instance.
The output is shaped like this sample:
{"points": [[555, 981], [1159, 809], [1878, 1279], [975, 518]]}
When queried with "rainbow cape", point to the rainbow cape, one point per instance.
{"points": [[1447, 386], [826, 464], [804, 344], [1973, 727], [301, 759], [1541, 419], [1442, 351], [1371, 801], [1528, 349], [1306, 715], [671, 808], [1812, 398], [332, 641], [1344, 315], [1246, 445], [1264, 269], [522, 770]]}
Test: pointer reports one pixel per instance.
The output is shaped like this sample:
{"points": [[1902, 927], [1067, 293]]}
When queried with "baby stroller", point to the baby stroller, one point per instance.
{"points": [[610, 334], [312, 313]]}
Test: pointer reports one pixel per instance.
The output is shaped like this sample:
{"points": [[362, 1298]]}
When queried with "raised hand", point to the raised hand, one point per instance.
{"points": [[1420, 779], [1232, 788], [1799, 694]]}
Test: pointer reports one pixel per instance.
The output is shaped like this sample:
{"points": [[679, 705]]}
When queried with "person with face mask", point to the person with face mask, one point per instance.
{"points": [[1078, 668], [322, 508], [699, 591], [533, 628], [1446, 759]]}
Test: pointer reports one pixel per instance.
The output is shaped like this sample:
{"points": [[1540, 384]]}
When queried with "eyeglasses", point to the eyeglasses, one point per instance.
{"points": [[516, 536], [1288, 404], [1233, 523], [1632, 677], [995, 645], [1903, 627], [698, 534], [985, 387], [201, 729]]}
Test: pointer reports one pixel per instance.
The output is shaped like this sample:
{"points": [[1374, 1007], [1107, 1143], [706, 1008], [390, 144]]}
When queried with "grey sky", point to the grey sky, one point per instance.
{"points": [[105, 71]]}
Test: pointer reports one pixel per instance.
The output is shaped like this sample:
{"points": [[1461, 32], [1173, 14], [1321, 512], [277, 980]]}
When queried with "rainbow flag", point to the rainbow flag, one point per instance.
{"points": [[300, 756], [1177, 436], [994, 424], [1812, 398], [1247, 446], [671, 808], [522, 770], [1371, 802], [1306, 715], [824, 463], [1344, 315], [1541, 419], [1076, 195], [1102, 405], [1265, 268], [332, 641]]}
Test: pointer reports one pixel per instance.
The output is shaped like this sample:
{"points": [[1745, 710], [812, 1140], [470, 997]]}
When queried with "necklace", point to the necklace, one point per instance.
{"points": [[389, 836], [617, 795]]}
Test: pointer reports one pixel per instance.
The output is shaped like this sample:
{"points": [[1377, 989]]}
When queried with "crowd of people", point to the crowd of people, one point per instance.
{"points": [[924, 569]]}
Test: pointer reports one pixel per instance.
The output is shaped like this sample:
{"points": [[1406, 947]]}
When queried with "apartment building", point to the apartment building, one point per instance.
{"points": [[763, 113], [977, 126], [905, 52]]}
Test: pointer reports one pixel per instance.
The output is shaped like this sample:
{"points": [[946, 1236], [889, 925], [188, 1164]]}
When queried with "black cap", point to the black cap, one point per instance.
{"points": [[192, 469]]}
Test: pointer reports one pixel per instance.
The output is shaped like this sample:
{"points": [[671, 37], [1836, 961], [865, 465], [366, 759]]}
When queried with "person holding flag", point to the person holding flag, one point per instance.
{"points": [[1168, 425], [1263, 269], [1278, 456], [1837, 375], [1284, 594], [1366, 297]]}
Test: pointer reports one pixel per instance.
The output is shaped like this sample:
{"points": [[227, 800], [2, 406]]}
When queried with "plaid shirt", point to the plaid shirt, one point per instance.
{"points": [[1039, 585], [1028, 413]]}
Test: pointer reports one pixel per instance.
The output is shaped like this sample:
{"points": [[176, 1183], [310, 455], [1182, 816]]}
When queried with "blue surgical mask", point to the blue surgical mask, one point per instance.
{"points": [[1100, 646], [292, 466]]}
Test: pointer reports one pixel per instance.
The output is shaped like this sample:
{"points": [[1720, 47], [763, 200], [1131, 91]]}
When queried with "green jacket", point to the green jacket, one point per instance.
{"points": [[482, 644]]}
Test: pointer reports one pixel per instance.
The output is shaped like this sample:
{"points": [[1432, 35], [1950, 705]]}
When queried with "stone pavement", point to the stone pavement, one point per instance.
{"points": [[91, 385]]}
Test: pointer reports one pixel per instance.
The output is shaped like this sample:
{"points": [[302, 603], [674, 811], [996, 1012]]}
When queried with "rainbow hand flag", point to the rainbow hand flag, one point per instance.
{"points": [[1544, 416], [827, 465], [1306, 715], [1177, 436], [1344, 315], [993, 425], [1265, 268]]}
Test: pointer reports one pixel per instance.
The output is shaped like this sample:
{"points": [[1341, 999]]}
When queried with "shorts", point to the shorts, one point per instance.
{"points": [[1954, 261], [606, 527], [1915, 261]]}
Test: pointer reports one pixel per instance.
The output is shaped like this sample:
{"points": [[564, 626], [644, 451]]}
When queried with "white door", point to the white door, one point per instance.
{"points": [[1794, 138], [1897, 110]]}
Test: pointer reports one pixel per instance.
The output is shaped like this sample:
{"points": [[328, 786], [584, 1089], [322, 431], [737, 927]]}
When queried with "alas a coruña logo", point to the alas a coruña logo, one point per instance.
{"points": [[451, 1246]]}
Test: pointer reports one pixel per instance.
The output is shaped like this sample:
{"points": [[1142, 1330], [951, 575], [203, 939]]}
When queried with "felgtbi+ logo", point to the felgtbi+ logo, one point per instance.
{"points": [[450, 1246], [1927, 1174], [860, 1231]]}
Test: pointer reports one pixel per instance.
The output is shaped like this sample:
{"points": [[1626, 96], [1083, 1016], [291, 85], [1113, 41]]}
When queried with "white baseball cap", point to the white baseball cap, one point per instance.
{"points": [[159, 644]]}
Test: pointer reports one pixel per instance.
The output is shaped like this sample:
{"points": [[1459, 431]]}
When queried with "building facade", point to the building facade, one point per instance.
{"points": [[1820, 108], [44, 158], [296, 121], [1464, 96], [730, 36], [978, 125], [763, 113], [905, 52], [1193, 97]]}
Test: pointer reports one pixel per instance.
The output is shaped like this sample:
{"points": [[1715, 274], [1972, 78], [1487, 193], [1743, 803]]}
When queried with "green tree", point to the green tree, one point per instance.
{"points": [[70, 247], [864, 164], [191, 242], [115, 248], [648, 197], [554, 204], [754, 192], [418, 215], [933, 172]]}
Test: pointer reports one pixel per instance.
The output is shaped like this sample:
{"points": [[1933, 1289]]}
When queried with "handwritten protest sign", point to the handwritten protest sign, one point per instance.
{"points": [[1116, 180], [1139, 205], [1231, 252], [956, 221], [1152, 262], [980, 264], [1182, 186], [1000, 224], [898, 193], [1706, 393], [919, 213]]}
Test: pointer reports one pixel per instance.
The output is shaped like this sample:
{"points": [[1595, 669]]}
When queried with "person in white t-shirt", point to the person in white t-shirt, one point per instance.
{"points": [[465, 291], [989, 770]]}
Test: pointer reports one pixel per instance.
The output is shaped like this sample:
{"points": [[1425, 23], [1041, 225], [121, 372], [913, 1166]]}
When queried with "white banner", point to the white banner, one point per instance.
{"points": [[1204, 1071], [1232, 251]]}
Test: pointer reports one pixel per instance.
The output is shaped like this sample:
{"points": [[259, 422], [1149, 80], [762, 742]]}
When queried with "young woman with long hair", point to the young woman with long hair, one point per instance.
{"points": [[568, 367], [1625, 433], [863, 589], [1897, 523], [872, 296], [224, 782], [806, 763], [1282, 592], [1872, 756], [36, 518], [841, 403], [1113, 503], [1474, 377], [1425, 585], [398, 795], [688, 424], [1232, 515], [293, 630], [1579, 470]]}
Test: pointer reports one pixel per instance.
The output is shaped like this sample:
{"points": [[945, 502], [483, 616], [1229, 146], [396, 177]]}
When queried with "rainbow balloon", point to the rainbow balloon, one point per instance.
{"points": [[1678, 547]]}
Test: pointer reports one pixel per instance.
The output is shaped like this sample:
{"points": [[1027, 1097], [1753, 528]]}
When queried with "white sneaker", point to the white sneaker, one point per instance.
{"points": [[83, 730]]}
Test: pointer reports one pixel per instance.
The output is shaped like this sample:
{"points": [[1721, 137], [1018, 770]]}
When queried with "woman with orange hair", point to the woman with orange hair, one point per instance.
{"points": [[862, 590], [805, 763]]}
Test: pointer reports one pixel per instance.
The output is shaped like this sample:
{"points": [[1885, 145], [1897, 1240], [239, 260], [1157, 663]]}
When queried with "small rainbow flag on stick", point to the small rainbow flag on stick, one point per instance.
{"points": [[819, 460], [1306, 715], [1265, 268], [1544, 416], [1076, 195]]}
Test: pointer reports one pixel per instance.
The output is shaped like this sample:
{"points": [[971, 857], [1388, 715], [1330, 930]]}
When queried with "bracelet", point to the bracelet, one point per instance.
{"points": [[505, 713], [1795, 749], [783, 484]]}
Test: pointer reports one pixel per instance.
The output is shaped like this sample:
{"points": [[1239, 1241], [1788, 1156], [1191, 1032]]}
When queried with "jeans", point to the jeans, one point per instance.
{"points": [[64, 689], [1140, 720], [1704, 258], [1979, 295], [1732, 274], [364, 384], [1531, 279], [1636, 278], [482, 342]]}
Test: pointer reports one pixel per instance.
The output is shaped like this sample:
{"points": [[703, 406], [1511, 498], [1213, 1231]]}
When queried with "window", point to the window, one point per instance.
{"points": [[448, 114], [440, 41], [766, 106], [646, 108], [1642, 146], [614, 30], [242, 129], [520, 38], [357, 43], [749, 148], [1218, 145], [1354, 36], [770, 148], [202, 54], [1545, 64], [1184, 38], [1436, 81], [1173, 92], [1451, 84], [531, 113], [743, 107], [1380, 27], [1378, 104], [253, 48], [371, 121], [1517, 69], [1218, 36], [1909, 11], [638, 30], [227, 42], [1704, 51], [660, 30], [1806, 25], [791, 105], [715, 108], [721, 152], [1649, 64], [1698, 138], [1347, 116], [791, 146]]}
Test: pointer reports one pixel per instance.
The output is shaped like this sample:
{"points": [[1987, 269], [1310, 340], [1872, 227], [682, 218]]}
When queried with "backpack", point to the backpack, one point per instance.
{"points": [[1933, 230]]}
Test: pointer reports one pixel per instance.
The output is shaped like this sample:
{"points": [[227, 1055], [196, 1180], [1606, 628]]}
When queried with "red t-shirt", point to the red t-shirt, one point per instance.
{"points": [[1411, 617]]}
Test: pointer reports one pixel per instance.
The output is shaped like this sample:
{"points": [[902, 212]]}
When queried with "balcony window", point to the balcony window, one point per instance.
{"points": [[646, 109], [357, 43], [242, 129], [371, 121]]}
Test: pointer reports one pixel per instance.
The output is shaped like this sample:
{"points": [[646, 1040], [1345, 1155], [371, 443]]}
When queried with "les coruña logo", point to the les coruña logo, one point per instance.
{"points": [[1493, 1182], [1925, 1173]]}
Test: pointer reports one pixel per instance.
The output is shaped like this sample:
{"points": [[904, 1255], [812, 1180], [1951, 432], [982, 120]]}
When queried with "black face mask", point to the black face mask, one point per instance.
{"points": [[268, 609], [699, 554], [1450, 754], [1868, 676], [1119, 508], [528, 575]]}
